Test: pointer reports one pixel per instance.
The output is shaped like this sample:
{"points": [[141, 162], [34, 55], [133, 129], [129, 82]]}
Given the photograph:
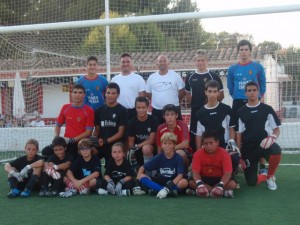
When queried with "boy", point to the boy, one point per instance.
{"points": [[110, 122], [179, 128], [79, 121], [118, 175], [93, 83], [195, 86], [84, 171], [258, 129], [142, 131], [216, 116], [24, 172], [212, 169], [55, 168], [170, 169]]}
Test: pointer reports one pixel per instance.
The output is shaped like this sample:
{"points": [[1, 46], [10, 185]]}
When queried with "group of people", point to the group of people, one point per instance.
{"points": [[156, 153]]}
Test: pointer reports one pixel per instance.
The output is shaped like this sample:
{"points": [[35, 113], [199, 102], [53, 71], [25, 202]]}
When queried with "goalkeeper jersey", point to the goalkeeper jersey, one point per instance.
{"points": [[256, 122]]}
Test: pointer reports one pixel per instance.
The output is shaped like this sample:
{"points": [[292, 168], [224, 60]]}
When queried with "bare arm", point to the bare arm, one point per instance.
{"points": [[198, 141], [183, 145], [117, 136], [177, 178], [276, 132], [148, 95], [57, 130], [141, 172], [189, 97], [181, 94], [149, 141], [239, 140], [225, 178]]}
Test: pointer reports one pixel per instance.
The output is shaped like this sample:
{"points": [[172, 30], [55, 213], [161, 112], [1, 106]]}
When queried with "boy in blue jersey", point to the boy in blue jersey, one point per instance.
{"points": [[170, 170], [94, 84]]}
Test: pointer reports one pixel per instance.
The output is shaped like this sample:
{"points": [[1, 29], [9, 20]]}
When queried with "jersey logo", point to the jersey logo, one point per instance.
{"points": [[162, 86], [250, 72], [86, 172], [254, 111], [114, 116], [97, 88], [205, 79], [213, 113], [79, 119], [149, 129]]}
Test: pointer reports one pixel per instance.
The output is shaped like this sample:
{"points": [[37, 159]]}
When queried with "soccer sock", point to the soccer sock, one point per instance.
{"points": [[261, 178], [273, 164], [70, 184], [12, 182], [150, 184], [32, 182]]}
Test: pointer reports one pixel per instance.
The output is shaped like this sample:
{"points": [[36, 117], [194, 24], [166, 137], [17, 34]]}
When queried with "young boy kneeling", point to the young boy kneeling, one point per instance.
{"points": [[170, 169]]}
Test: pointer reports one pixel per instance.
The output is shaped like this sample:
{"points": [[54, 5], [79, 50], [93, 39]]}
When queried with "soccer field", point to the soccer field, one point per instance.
{"points": [[250, 206]]}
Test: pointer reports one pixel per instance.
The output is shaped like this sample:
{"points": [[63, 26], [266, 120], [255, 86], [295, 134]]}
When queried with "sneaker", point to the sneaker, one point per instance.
{"points": [[173, 193], [163, 193], [271, 183], [68, 193], [102, 191], [51, 193], [228, 193], [42, 192], [26, 193], [14, 192], [84, 191], [125, 192], [190, 191], [138, 191]]}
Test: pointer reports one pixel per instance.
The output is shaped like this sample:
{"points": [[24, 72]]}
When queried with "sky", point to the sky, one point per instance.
{"points": [[279, 27]]}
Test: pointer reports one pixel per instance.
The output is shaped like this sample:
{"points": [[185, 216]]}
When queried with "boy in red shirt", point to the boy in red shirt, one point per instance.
{"points": [[212, 169]]}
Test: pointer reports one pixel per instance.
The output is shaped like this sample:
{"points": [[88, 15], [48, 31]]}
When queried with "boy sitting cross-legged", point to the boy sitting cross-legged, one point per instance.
{"points": [[170, 169], [84, 171], [55, 168], [118, 175]]}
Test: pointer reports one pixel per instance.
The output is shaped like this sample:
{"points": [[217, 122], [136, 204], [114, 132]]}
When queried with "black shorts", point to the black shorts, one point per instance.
{"points": [[211, 181], [251, 154]]}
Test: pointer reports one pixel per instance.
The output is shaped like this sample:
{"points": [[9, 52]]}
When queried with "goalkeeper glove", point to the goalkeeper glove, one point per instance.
{"points": [[119, 186], [218, 190], [201, 190], [69, 141], [232, 147], [110, 187], [54, 174], [17, 175], [24, 172], [268, 141]]}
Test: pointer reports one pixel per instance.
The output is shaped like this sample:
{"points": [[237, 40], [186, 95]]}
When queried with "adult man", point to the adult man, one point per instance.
{"points": [[93, 83], [142, 131], [179, 128], [212, 169], [195, 88], [258, 129], [164, 87], [131, 85], [110, 122], [79, 120], [38, 122]]}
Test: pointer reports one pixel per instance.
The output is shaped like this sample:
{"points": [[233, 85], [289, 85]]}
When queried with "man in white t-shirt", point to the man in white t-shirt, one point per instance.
{"points": [[131, 85], [164, 87], [38, 122]]}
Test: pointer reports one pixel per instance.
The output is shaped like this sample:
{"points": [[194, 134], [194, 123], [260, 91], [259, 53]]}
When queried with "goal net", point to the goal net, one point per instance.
{"points": [[43, 65]]}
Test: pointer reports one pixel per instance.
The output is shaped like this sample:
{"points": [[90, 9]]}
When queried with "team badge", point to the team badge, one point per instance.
{"points": [[250, 72], [114, 115], [78, 119], [205, 79], [97, 88], [149, 129]]}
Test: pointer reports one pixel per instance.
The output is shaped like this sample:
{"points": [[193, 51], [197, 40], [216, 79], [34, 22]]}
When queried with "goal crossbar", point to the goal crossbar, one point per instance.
{"points": [[148, 19]]}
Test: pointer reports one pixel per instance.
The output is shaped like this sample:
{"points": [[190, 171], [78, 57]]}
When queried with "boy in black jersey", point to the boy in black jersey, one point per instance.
{"points": [[110, 122], [216, 116], [142, 131], [24, 172], [55, 168], [195, 88], [118, 175], [258, 129]]}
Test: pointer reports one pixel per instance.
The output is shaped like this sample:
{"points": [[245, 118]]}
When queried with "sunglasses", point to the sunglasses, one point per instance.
{"points": [[85, 148]]}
